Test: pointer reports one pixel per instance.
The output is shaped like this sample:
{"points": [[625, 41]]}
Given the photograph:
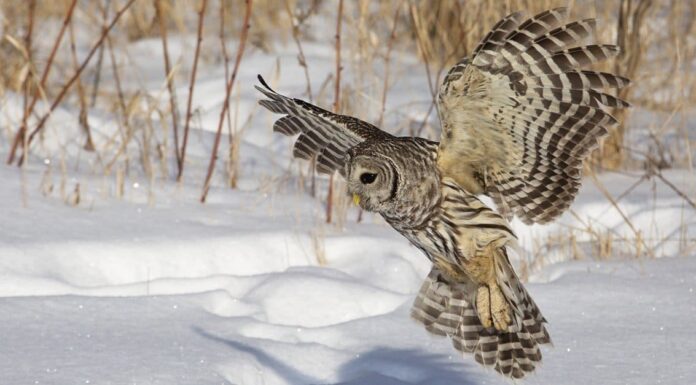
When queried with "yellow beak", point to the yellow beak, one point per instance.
{"points": [[356, 199]]}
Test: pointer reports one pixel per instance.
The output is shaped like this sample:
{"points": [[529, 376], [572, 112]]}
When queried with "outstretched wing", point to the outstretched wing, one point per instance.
{"points": [[323, 134], [520, 116]]}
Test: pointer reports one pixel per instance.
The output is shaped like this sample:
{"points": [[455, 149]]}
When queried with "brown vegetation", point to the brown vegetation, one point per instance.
{"points": [[657, 38]]}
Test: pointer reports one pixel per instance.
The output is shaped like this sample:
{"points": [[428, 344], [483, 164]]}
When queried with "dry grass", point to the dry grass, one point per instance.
{"points": [[657, 38]]}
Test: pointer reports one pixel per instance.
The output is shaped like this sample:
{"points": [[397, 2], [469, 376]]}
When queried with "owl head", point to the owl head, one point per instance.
{"points": [[389, 177]]}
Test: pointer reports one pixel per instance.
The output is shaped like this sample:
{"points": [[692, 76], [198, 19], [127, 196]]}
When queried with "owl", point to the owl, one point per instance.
{"points": [[518, 118]]}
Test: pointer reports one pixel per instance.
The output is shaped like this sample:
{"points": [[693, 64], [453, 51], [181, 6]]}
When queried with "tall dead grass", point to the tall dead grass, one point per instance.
{"points": [[657, 37]]}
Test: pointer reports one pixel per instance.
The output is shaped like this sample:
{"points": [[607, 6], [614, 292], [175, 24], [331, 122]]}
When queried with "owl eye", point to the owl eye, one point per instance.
{"points": [[367, 177]]}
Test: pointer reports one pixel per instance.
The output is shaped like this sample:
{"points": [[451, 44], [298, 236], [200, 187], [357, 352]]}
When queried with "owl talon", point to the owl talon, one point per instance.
{"points": [[492, 308]]}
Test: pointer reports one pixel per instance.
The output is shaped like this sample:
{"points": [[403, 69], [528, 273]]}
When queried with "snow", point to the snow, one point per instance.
{"points": [[254, 288], [121, 292], [612, 323]]}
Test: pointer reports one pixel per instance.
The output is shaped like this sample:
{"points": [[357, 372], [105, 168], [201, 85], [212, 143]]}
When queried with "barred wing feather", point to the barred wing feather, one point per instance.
{"points": [[521, 115], [322, 134]]}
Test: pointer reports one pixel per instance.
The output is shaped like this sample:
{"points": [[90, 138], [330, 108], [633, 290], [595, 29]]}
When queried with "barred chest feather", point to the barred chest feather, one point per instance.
{"points": [[459, 226]]}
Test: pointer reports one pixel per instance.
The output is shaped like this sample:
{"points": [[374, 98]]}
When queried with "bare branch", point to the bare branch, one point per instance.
{"points": [[77, 74], [192, 83], [228, 91], [161, 15], [336, 104], [21, 133]]}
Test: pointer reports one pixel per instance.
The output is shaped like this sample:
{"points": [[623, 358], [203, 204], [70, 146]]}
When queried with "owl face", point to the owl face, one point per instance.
{"points": [[397, 178], [372, 182]]}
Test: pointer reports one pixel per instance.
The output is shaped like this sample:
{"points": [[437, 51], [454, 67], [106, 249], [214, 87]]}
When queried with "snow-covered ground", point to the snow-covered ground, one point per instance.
{"points": [[183, 293], [254, 288]]}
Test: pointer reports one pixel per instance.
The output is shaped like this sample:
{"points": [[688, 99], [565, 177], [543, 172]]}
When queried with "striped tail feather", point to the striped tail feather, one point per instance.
{"points": [[447, 309], [557, 116]]}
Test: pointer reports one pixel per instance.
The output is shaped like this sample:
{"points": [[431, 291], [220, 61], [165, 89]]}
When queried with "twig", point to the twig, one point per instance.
{"points": [[675, 189], [192, 83], [77, 74], [170, 82], [423, 48], [125, 137], [27, 44], [336, 104], [100, 59], [337, 84], [228, 91], [21, 133], [231, 134], [83, 118], [426, 61], [607, 195], [300, 51], [30, 73], [387, 59]]}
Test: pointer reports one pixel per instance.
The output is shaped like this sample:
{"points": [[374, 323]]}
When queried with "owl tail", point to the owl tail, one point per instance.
{"points": [[447, 309]]}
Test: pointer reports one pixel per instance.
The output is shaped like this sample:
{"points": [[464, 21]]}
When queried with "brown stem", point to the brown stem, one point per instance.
{"points": [[21, 133], [426, 61], [336, 104], [337, 84], [125, 137], [170, 82], [387, 59], [300, 52], [608, 196], [30, 74], [192, 83], [228, 91], [676, 190], [100, 58], [28, 49], [83, 118], [77, 74], [232, 162]]}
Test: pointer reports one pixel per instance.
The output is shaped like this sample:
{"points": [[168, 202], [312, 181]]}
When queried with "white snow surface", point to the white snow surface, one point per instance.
{"points": [[121, 292], [156, 288]]}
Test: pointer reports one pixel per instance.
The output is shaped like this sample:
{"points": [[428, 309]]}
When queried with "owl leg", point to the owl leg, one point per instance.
{"points": [[492, 308], [491, 305]]}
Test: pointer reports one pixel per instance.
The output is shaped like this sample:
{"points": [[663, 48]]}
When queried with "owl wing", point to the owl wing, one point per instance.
{"points": [[323, 134], [520, 116]]}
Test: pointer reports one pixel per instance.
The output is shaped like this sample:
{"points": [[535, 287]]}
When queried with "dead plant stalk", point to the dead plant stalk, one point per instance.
{"points": [[21, 133], [170, 82], [125, 137], [636, 232], [300, 52], [28, 48], [83, 118], [100, 59], [70, 82], [228, 91], [336, 104], [192, 83], [426, 62], [232, 139], [387, 60]]}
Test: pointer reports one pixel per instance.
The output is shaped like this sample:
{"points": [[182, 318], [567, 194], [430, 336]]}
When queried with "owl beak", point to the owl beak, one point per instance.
{"points": [[356, 199]]}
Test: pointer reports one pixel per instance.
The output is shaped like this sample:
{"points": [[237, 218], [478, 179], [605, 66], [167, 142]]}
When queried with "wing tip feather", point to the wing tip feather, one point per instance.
{"points": [[263, 83]]}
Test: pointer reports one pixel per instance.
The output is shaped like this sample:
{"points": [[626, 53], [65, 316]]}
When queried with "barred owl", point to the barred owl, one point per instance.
{"points": [[518, 118]]}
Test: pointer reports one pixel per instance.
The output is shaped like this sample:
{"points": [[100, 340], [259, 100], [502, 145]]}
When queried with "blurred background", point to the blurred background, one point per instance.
{"points": [[115, 88]]}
